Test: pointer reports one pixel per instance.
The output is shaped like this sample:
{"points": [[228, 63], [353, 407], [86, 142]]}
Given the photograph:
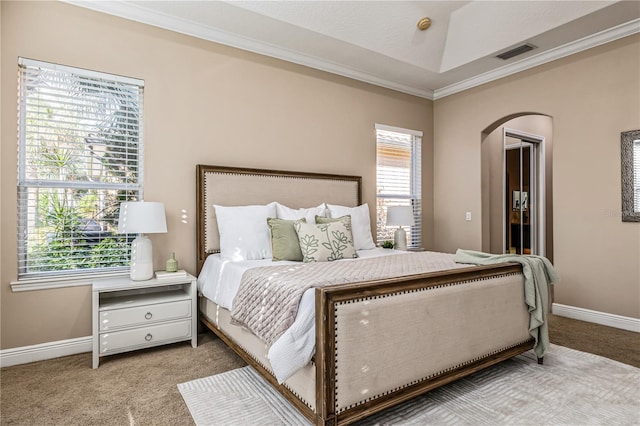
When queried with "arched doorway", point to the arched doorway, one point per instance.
{"points": [[517, 166]]}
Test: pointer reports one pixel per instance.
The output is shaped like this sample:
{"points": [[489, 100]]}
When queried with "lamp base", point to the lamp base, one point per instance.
{"points": [[400, 239], [141, 259]]}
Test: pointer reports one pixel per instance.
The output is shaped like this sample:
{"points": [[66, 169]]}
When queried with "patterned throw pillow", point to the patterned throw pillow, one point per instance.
{"points": [[326, 242], [362, 237]]}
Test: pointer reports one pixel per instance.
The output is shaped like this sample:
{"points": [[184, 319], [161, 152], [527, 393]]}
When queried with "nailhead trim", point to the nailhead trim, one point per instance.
{"points": [[336, 358]]}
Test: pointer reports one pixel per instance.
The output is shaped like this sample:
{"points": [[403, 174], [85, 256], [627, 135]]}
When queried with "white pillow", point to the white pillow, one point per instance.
{"points": [[309, 214], [244, 233], [360, 223]]}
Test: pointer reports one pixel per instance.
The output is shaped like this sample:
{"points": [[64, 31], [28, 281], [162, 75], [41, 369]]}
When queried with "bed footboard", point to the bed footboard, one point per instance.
{"points": [[379, 344]]}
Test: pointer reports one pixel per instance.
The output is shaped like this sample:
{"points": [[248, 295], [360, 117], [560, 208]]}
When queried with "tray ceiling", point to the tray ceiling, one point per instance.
{"points": [[378, 41]]}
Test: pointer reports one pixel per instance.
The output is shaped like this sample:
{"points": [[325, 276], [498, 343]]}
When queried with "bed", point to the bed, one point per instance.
{"points": [[376, 342]]}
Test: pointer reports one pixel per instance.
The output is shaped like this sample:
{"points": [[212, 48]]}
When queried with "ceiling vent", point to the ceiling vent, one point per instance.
{"points": [[516, 51]]}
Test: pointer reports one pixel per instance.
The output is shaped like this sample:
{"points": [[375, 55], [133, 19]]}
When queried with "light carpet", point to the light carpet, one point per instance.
{"points": [[571, 388]]}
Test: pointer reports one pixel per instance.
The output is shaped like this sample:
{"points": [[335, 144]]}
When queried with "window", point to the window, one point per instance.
{"points": [[399, 178], [79, 156]]}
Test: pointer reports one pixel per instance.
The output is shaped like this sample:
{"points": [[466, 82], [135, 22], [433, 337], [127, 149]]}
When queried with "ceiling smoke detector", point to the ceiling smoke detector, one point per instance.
{"points": [[519, 50]]}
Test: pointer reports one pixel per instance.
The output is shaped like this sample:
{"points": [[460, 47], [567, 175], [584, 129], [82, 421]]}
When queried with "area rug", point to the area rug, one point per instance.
{"points": [[571, 388]]}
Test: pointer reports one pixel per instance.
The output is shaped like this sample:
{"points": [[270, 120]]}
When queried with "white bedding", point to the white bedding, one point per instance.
{"points": [[219, 281]]}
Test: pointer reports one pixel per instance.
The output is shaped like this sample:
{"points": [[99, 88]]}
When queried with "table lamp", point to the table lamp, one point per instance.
{"points": [[400, 216], [141, 217]]}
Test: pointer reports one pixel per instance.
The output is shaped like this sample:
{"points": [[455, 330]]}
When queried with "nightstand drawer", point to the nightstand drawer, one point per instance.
{"points": [[144, 336], [139, 315]]}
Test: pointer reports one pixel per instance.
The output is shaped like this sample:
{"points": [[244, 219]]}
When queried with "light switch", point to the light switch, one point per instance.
{"points": [[468, 216]]}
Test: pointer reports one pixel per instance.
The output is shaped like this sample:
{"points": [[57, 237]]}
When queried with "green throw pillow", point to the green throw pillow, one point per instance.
{"points": [[325, 242], [284, 239], [346, 219]]}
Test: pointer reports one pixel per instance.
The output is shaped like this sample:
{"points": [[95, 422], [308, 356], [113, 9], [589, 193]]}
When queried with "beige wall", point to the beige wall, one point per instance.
{"points": [[1, 197], [210, 104], [204, 103], [591, 97]]}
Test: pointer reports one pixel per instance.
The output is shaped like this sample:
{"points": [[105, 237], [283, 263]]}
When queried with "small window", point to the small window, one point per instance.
{"points": [[80, 155], [399, 179]]}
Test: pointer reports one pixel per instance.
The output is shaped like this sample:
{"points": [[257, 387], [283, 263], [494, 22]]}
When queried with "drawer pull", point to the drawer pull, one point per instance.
{"points": [[148, 337], [148, 315]]}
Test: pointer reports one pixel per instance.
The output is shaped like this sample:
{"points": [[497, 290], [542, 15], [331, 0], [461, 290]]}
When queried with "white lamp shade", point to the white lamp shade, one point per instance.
{"points": [[400, 216], [142, 217]]}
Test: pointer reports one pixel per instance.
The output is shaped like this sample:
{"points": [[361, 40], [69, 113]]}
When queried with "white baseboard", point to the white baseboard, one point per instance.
{"points": [[602, 318], [42, 351]]}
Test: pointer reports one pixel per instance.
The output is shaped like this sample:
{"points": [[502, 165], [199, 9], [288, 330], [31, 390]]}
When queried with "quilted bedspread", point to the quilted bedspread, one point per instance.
{"points": [[268, 297]]}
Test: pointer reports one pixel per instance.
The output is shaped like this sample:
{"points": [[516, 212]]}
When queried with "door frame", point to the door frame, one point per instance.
{"points": [[539, 152]]}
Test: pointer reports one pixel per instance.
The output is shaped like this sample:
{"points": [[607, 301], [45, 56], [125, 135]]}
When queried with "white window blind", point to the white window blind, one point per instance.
{"points": [[79, 156], [399, 178], [636, 175]]}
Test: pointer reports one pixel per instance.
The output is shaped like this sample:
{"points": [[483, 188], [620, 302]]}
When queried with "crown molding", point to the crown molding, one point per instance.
{"points": [[134, 12], [138, 13], [603, 37]]}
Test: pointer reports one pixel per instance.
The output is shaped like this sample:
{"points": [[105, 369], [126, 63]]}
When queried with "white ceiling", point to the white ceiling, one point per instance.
{"points": [[379, 42]]}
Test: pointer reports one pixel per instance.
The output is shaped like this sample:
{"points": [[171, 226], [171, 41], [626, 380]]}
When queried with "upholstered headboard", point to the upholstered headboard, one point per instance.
{"points": [[228, 186]]}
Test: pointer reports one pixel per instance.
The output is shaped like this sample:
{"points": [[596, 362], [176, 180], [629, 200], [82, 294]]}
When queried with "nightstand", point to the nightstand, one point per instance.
{"points": [[129, 315]]}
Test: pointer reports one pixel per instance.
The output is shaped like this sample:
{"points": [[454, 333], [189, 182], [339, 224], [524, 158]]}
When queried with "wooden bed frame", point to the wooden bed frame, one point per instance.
{"points": [[356, 372]]}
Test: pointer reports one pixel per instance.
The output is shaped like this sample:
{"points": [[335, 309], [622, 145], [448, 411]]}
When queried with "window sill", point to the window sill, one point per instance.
{"points": [[31, 284]]}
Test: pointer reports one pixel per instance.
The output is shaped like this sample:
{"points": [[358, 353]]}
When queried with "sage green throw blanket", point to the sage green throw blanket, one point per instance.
{"points": [[538, 275]]}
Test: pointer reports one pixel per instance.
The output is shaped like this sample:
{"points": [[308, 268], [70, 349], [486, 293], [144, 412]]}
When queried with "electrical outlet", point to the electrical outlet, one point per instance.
{"points": [[468, 216]]}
